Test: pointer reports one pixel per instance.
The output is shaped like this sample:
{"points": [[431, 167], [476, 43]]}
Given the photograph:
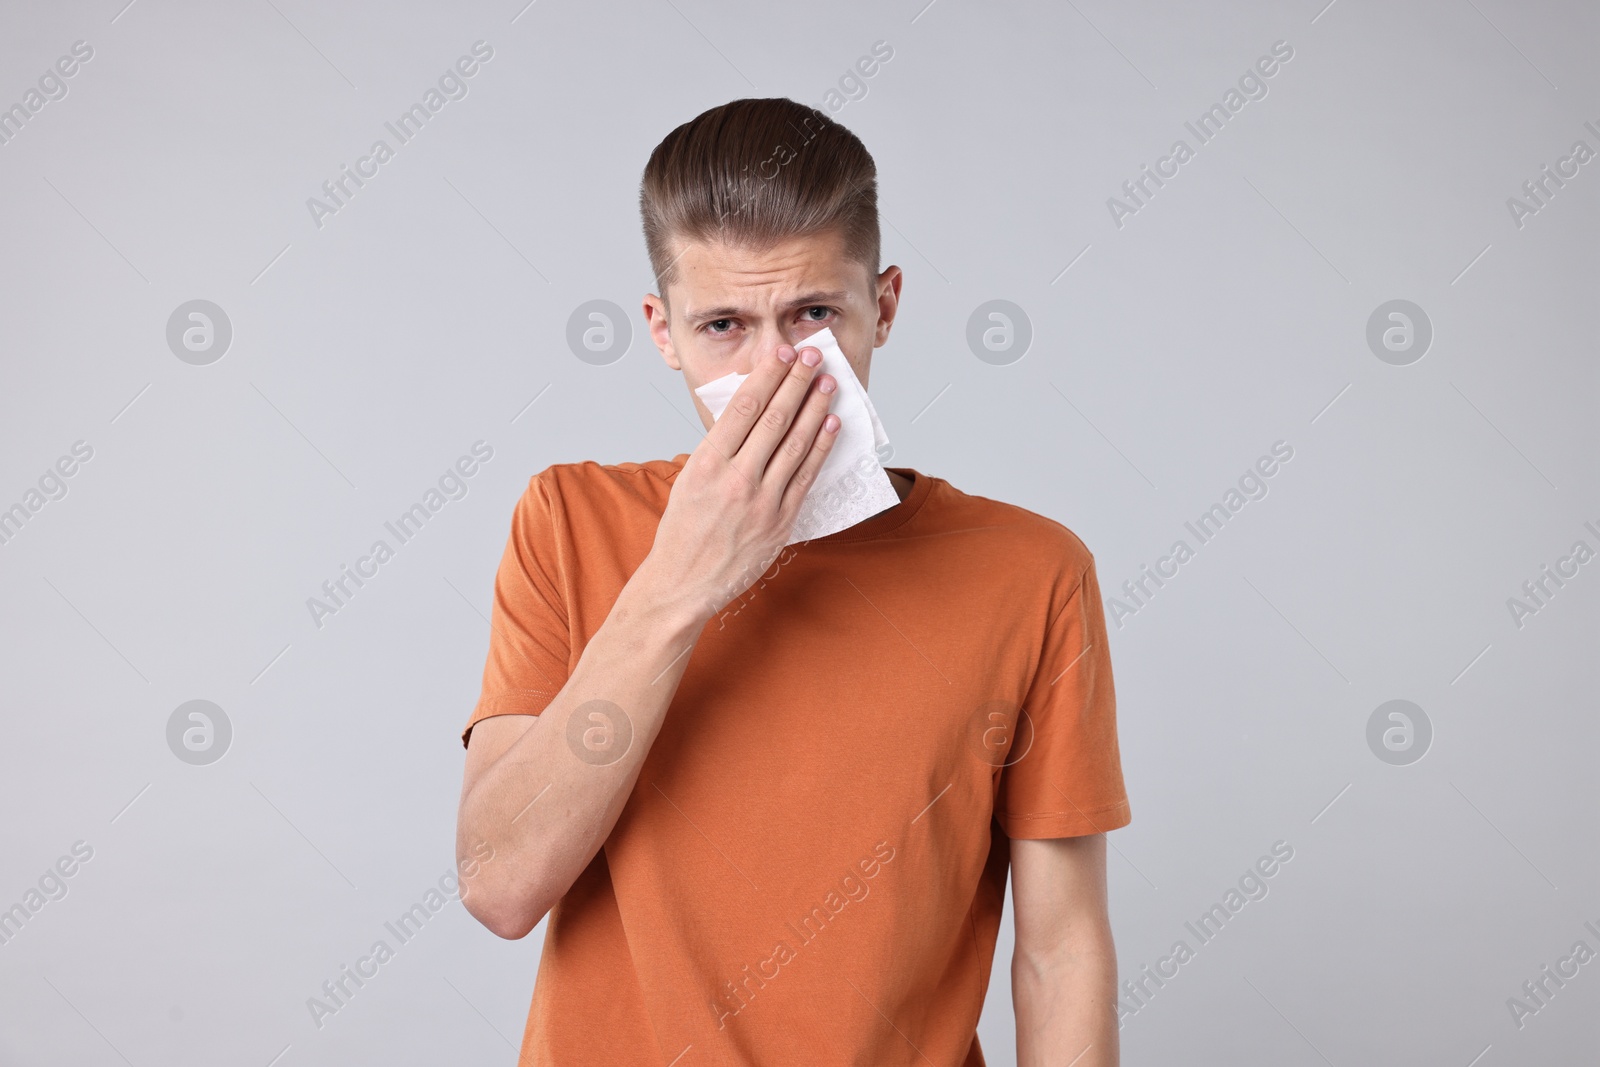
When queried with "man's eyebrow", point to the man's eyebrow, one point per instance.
{"points": [[730, 311]]}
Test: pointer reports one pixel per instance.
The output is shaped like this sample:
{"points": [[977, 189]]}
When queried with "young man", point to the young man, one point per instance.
{"points": [[777, 831]]}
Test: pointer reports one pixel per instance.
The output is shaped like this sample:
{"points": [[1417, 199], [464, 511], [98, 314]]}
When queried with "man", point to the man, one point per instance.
{"points": [[768, 795]]}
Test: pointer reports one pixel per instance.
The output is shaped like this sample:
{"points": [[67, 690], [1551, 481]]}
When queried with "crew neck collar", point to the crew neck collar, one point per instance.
{"points": [[877, 525], [890, 518]]}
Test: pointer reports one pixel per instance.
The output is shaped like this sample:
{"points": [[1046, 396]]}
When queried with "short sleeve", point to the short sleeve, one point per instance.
{"points": [[528, 634], [1067, 782]]}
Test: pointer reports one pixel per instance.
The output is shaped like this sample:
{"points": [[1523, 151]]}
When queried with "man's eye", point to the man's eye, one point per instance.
{"points": [[824, 310], [719, 325]]}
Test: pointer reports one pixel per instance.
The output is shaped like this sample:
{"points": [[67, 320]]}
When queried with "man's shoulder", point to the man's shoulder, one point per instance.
{"points": [[590, 477], [1027, 534]]}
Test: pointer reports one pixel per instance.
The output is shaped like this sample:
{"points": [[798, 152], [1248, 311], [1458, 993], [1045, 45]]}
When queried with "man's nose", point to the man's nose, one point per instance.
{"points": [[765, 340]]}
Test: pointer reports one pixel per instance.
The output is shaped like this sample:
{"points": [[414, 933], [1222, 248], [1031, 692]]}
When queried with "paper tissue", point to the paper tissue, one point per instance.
{"points": [[852, 484]]}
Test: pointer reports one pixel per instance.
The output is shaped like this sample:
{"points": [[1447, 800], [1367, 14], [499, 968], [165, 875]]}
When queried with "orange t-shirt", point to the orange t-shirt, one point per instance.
{"points": [[812, 864]]}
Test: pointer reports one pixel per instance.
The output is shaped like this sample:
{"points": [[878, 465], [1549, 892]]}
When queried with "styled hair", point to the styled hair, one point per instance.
{"points": [[754, 172]]}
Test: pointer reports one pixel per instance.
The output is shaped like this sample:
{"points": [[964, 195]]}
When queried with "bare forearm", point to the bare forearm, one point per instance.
{"points": [[549, 802], [1065, 1005]]}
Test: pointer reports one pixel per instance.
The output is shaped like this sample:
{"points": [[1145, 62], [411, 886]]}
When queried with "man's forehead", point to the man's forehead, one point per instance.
{"points": [[719, 302], [711, 276]]}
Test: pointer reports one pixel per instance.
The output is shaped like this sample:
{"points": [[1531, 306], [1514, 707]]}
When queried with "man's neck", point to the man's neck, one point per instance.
{"points": [[902, 484]]}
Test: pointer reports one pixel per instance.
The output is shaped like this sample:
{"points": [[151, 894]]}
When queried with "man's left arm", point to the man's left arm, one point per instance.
{"points": [[1064, 967]]}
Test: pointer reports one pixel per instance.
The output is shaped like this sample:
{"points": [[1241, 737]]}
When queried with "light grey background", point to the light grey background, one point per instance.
{"points": [[368, 354]]}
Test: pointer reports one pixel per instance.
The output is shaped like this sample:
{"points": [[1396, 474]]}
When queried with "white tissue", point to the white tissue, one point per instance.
{"points": [[852, 485]]}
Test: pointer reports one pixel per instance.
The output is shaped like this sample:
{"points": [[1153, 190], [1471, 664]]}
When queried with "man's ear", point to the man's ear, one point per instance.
{"points": [[888, 286], [655, 315]]}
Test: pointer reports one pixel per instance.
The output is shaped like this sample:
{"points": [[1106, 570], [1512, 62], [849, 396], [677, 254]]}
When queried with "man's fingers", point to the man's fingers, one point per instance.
{"points": [[728, 433], [796, 444], [806, 476], [769, 430]]}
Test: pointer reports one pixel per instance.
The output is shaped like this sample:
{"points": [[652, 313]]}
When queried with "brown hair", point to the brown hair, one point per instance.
{"points": [[754, 172]]}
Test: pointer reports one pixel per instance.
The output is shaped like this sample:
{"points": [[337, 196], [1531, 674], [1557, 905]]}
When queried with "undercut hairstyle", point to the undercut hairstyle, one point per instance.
{"points": [[754, 172]]}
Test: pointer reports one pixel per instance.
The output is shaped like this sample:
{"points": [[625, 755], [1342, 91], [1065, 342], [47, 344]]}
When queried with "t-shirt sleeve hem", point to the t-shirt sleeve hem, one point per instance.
{"points": [[510, 702], [1065, 823]]}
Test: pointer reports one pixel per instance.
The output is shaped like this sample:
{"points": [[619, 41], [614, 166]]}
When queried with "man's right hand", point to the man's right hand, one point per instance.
{"points": [[730, 512], [735, 502]]}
